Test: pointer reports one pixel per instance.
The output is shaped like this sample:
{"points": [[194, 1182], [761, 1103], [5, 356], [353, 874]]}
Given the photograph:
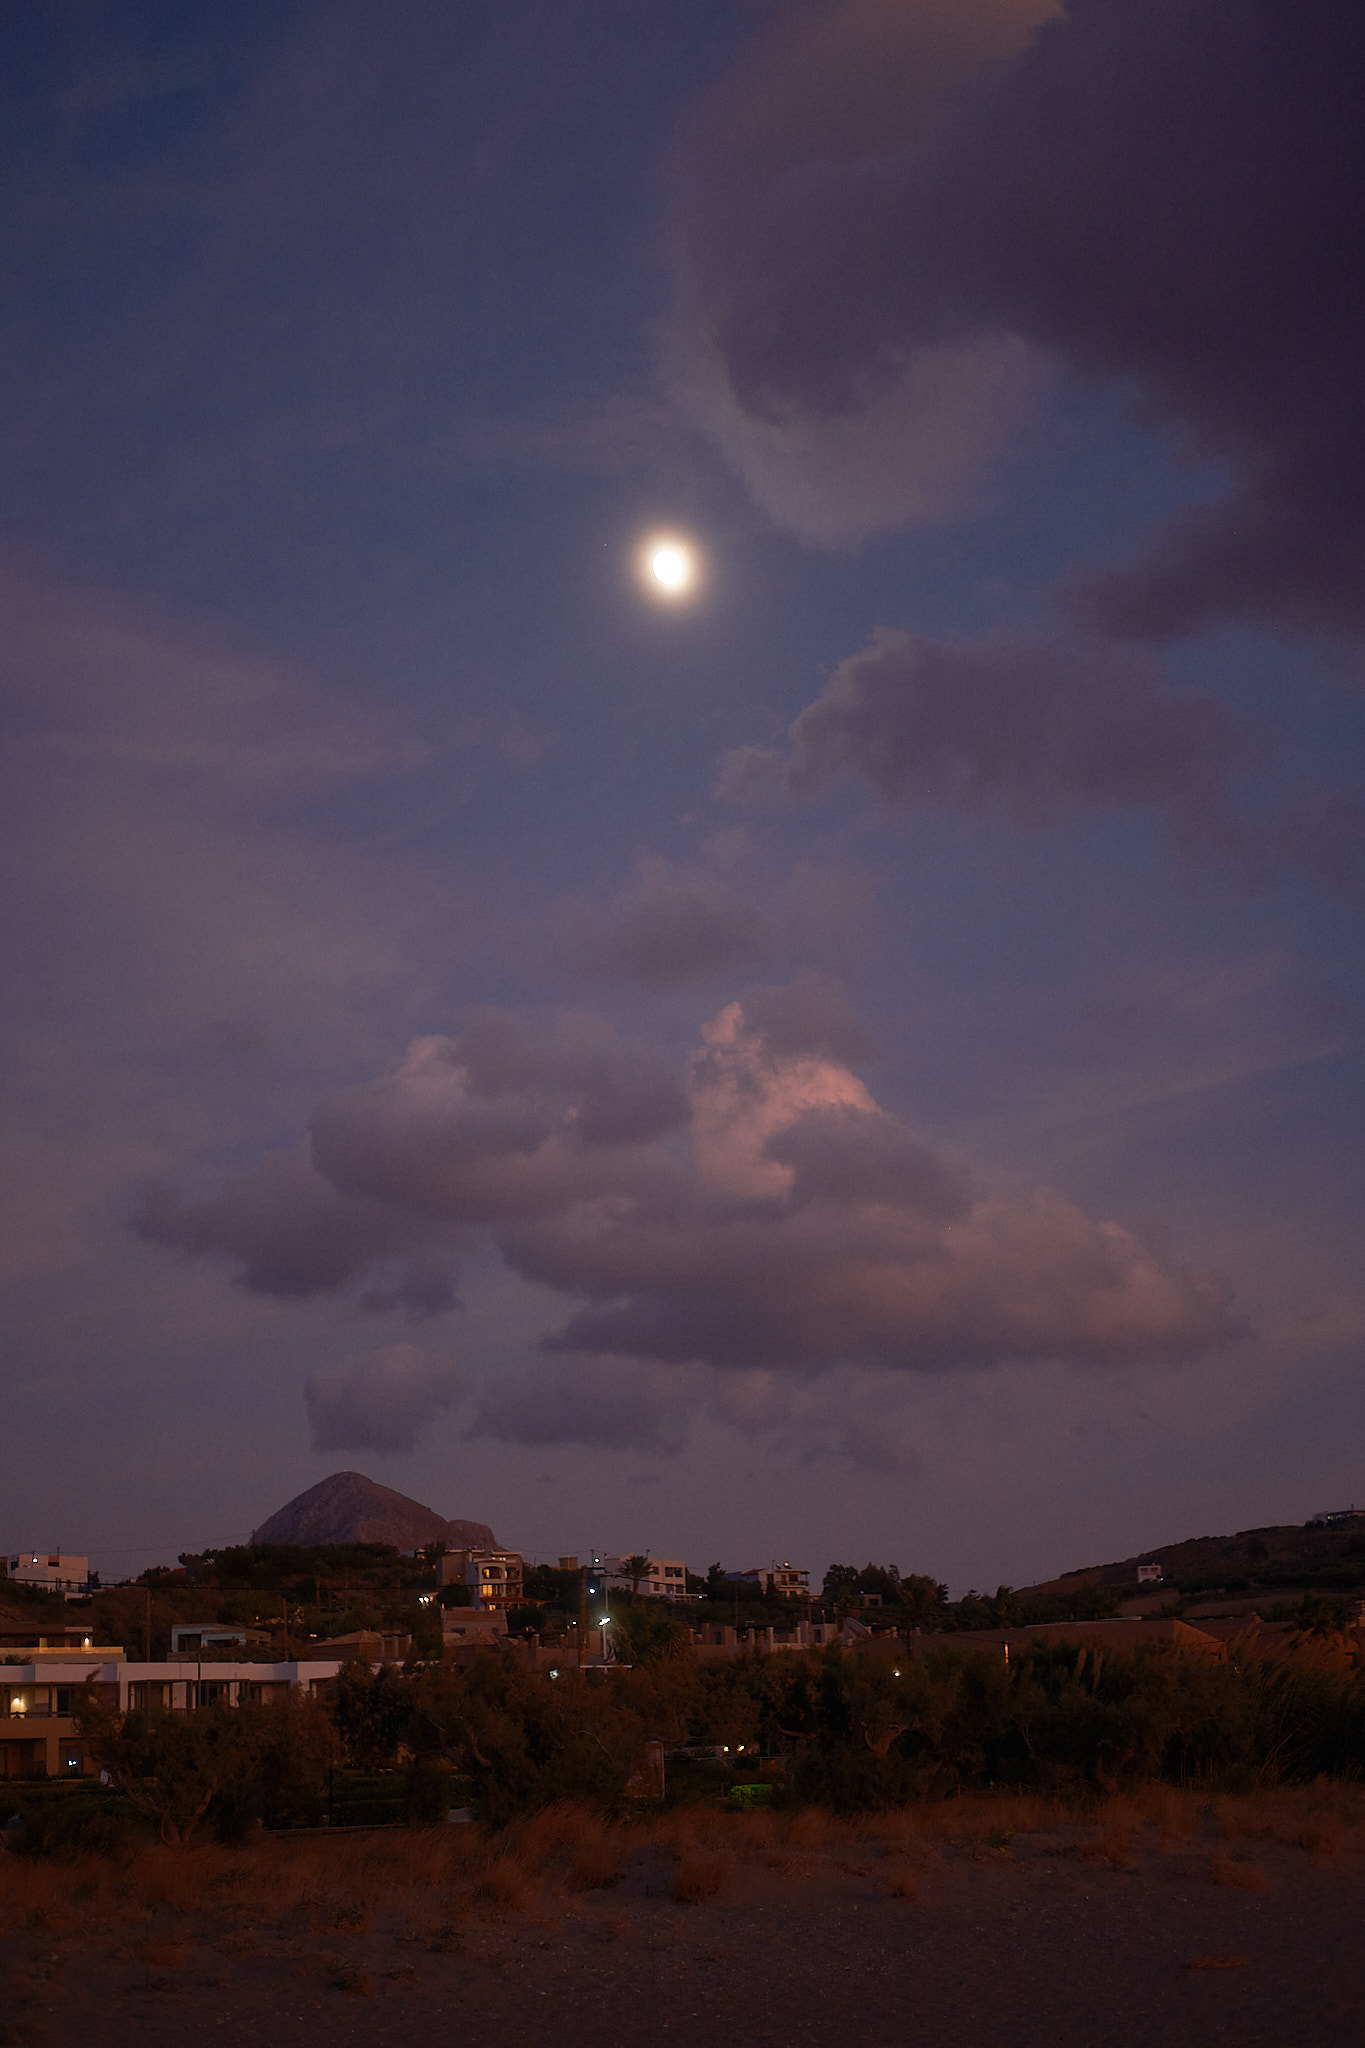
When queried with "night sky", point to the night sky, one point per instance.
{"points": [[856, 1059]]}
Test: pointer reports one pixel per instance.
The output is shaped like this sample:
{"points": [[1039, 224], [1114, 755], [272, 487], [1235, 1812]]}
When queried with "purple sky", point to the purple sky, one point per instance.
{"points": [[863, 1061]]}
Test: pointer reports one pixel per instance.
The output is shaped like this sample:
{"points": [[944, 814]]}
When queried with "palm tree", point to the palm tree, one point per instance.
{"points": [[635, 1569]]}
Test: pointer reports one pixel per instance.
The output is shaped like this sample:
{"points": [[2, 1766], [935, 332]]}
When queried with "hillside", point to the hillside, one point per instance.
{"points": [[1271, 1559], [349, 1508]]}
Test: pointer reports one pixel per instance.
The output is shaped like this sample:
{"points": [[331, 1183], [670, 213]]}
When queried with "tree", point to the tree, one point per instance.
{"points": [[923, 1599], [169, 1765], [649, 1630], [881, 1580], [371, 1710], [635, 1568], [287, 1747]]}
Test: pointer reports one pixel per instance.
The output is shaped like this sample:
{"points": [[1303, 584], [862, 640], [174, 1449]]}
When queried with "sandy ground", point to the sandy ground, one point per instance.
{"points": [[1052, 1939]]}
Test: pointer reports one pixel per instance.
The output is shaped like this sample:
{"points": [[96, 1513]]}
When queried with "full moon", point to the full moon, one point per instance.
{"points": [[668, 566]]}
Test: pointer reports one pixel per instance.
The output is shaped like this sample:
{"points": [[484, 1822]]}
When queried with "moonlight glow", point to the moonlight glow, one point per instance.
{"points": [[668, 566]]}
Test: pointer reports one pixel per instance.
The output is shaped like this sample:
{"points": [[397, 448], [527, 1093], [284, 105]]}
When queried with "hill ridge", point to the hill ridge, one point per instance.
{"points": [[1250, 1558], [348, 1507]]}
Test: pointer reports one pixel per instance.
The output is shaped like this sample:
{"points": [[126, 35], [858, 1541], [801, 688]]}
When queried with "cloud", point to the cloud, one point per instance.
{"points": [[292, 1235], [379, 1400], [822, 91], [671, 929], [1039, 730], [1167, 197], [760, 1211], [678, 927], [1033, 729], [656, 1410], [601, 1403], [808, 1015]]}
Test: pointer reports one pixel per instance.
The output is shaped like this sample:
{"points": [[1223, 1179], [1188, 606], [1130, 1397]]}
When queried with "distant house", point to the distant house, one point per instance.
{"points": [[664, 1578], [53, 1571], [715, 1644], [371, 1645], [473, 1624], [190, 1637], [1149, 1574], [787, 1579], [43, 1640], [1330, 1518], [495, 1578]]}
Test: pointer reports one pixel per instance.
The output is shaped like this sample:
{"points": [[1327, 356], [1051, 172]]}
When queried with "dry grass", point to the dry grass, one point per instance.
{"points": [[594, 1866], [506, 1884], [161, 1951], [1217, 1962], [340, 1884], [701, 1874], [446, 1940], [992, 1817], [345, 1976], [1241, 1874], [1174, 1814]]}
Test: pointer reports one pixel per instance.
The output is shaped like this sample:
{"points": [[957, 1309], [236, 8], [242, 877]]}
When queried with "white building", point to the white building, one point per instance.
{"points": [[494, 1577], [38, 1733], [663, 1578], [53, 1570]]}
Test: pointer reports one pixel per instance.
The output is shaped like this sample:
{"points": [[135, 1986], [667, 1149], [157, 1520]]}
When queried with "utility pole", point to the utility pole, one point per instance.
{"points": [[582, 1619], [149, 1624]]}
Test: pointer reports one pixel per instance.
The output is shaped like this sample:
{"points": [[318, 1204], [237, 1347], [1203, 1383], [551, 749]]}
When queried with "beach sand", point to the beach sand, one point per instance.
{"points": [[1109, 1935]]}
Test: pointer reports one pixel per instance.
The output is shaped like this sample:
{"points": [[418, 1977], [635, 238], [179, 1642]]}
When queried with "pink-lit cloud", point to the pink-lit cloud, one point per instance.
{"points": [[760, 1210]]}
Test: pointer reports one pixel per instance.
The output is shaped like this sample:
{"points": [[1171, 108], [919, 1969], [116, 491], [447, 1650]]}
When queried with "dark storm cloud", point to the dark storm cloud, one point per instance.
{"points": [[1035, 730], [1169, 195], [761, 1211], [379, 1401]]}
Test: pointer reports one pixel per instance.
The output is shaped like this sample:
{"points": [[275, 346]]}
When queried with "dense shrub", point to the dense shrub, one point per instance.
{"points": [[851, 1732]]}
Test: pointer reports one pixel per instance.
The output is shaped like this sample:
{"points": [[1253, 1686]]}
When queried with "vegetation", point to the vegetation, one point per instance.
{"points": [[920, 1603], [851, 1733]]}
